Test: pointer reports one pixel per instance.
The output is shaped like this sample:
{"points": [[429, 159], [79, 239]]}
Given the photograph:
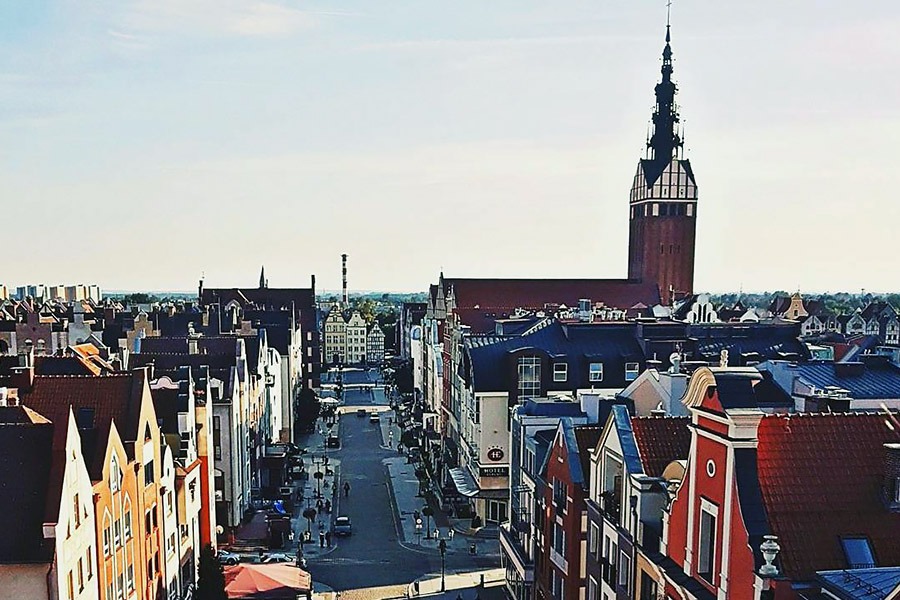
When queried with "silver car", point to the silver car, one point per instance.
{"points": [[342, 526]]}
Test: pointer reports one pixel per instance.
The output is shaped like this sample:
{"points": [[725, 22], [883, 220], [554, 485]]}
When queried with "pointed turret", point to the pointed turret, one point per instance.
{"points": [[665, 142], [663, 202], [262, 278]]}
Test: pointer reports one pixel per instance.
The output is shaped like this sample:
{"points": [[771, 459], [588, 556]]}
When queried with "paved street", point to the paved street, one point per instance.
{"points": [[373, 556]]}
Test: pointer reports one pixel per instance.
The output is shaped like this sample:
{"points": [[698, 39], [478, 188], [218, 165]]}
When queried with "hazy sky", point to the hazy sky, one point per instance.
{"points": [[145, 142]]}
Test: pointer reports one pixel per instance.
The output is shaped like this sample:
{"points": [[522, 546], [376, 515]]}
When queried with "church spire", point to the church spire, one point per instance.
{"points": [[665, 142], [263, 283]]}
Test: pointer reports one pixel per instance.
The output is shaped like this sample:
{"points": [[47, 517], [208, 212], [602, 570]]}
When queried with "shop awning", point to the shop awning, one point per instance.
{"points": [[464, 482]]}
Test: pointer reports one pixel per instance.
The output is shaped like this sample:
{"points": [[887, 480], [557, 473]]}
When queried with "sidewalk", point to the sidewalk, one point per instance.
{"points": [[314, 490], [404, 491], [465, 585]]}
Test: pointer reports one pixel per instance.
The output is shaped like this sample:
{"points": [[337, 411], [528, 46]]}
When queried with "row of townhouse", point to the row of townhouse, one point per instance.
{"points": [[877, 318], [484, 347], [68, 293], [743, 497], [349, 340], [108, 503]]}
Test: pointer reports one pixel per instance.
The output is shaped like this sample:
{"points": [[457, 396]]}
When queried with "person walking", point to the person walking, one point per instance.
{"points": [[346, 489], [328, 538], [321, 539]]}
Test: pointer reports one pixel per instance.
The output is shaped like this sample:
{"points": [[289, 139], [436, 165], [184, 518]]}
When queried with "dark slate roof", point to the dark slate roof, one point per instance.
{"points": [[167, 344], [630, 454], [586, 437], [171, 362], [820, 476], [577, 345], [753, 509], [479, 302], [757, 342], [533, 408], [661, 440], [873, 381], [861, 584]]}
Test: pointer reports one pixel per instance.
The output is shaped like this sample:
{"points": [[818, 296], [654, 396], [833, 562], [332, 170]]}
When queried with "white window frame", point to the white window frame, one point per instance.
{"points": [[632, 370], [560, 372], [595, 375], [707, 508]]}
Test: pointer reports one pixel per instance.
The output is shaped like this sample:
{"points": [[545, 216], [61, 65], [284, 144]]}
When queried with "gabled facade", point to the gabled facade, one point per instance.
{"points": [[375, 345], [560, 513]]}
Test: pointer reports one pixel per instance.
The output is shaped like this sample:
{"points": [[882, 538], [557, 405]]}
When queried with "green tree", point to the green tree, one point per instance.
{"points": [[367, 310], [210, 576]]}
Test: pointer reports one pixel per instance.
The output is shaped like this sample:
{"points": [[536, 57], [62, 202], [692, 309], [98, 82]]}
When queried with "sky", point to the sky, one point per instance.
{"points": [[148, 142]]}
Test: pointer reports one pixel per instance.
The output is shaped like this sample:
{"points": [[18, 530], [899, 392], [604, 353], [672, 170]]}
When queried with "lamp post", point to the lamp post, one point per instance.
{"points": [[419, 531], [443, 548]]}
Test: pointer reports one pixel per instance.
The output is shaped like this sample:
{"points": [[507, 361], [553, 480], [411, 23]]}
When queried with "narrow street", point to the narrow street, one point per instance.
{"points": [[373, 556]]}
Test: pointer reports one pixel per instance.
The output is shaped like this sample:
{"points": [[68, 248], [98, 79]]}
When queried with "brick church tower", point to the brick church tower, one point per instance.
{"points": [[663, 217]]}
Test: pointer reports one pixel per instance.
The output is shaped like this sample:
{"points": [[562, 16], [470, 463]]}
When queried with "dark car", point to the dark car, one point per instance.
{"points": [[228, 558], [342, 526], [332, 441], [360, 412]]}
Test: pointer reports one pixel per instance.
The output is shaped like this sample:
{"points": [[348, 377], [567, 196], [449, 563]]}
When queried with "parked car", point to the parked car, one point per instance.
{"points": [[228, 558], [374, 418], [342, 526], [360, 412], [332, 441], [276, 557]]}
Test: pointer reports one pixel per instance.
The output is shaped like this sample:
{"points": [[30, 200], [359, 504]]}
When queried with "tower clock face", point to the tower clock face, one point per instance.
{"points": [[495, 454]]}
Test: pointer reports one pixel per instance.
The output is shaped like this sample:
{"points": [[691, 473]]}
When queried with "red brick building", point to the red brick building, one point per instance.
{"points": [[561, 513]]}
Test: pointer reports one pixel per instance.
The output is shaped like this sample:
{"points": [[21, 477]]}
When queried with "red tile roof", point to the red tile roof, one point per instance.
{"points": [[480, 301], [112, 397], [820, 476], [661, 440]]}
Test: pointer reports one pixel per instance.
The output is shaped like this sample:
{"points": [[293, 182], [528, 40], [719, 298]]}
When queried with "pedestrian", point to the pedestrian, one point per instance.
{"points": [[328, 506], [291, 536], [319, 505], [321, 539], [437, 533], [328, 538], [346, 489], [450, 534]]}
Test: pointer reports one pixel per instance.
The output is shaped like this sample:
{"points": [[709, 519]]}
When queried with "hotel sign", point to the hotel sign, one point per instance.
{"points": [[493, 471]]}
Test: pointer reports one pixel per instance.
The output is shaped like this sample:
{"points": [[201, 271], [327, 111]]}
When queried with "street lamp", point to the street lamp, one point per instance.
{"points": [[443, 548], [419, 531]]}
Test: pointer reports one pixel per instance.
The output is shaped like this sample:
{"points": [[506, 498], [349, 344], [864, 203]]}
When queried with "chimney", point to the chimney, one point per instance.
{"points": [[892, 476], [344, 296], [22, 378]]}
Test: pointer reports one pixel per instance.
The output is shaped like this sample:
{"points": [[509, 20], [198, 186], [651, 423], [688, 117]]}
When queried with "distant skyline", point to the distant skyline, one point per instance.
{"points": [[147, 142]]}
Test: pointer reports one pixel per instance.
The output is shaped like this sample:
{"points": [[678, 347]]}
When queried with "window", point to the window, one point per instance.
{"points": [[149, 475], [477, 410], [128, 525], [655, 209], [858, 553], [217, 437], [593, 591], [559, 539], [707, 547], [80, 575], [649, 587], [560, 491], [71, 586], [107, 536], [596, 372], [690, 210], [529, 370], [625, 572], [631, 370], [117, 528], [77, 508], [594, 540], [130, 578], [171, 544], [90, 565], [120, 592], [559, 591], [560, 371]]}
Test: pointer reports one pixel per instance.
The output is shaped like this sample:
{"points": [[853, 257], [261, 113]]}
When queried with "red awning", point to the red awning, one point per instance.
{"points": [[266, 582]]}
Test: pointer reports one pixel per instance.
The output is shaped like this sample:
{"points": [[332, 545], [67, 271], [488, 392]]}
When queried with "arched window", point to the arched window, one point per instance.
{"points": [[115, 475], [127, 517], [107, 533]]}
